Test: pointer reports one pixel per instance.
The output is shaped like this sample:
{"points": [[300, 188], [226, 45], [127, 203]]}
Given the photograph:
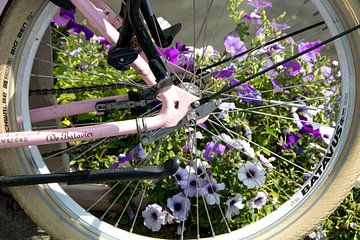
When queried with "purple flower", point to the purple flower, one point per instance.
{"points": [[291, 140], [254, 17], [179, 205], [182, 47], [247, 93], [68, 14], [292, 68], [277, 86], [278, 26], [172, 54], [137, 154], [181, 176], [310, 56], [327, 71], [59, 22], [234, 206], [223, 73], [192, 185], [234, 45], [212, 150], [258, 201], [209, 191], [259, 4], [252, 175]]}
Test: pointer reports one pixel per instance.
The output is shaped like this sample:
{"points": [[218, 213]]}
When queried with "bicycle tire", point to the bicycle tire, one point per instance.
{"points": [[44, 207]]}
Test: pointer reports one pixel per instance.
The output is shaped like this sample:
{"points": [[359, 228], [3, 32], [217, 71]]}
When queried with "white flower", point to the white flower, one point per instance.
{"points": [[164, 24], [209, 191], [248, 150], [326, 133], [75, 52], [179, 205], [153, 217], [264, 161], [234, 205], [258, 201], [252, 175], [199, 167]]}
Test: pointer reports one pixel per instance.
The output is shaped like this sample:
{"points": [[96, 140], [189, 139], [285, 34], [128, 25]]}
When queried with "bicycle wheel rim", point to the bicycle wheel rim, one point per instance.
{"points": [[75, 211]]}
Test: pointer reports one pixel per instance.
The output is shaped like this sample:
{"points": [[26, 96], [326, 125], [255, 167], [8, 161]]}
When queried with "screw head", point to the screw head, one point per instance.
{"points": [[145, 140], [196, 104]]}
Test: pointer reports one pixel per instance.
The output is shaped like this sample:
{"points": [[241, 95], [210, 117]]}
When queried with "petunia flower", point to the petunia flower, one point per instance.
{"points": [[258, 201], [234, 205], [137, 154], [291, 140], [209, 191], [247, 93], [252, 175], [225, 107], [259, 4], [179, 205], [181, 175], [292, 68], [264, 161], [223, 73], [310, 56], [154, 217], [253, 17], [212, 150], [192, 185], [326, 133], [234, 46], [172, 54], [278, 26], [201, 168]]}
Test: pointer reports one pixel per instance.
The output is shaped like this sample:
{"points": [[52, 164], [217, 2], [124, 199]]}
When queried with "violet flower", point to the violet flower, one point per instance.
{"points": [[179, 205], [234, 206], [137, 154], [259, 4], [253, 17], [310, 56], [292, 68], [234, 46], [278, 26], [193, 184], [212, 150], [291, 140], [258, 201], [223, 73], [209, 191], [247, 93]]}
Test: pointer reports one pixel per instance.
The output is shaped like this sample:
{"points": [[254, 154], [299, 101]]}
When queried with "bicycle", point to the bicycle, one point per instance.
{"points": [[184, 105]]}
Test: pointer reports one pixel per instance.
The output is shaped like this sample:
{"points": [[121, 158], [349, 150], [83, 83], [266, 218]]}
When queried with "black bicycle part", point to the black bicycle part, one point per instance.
{"points": [[228, 88], [163, 38], [95, 176], [66, 4], [120, 58]]}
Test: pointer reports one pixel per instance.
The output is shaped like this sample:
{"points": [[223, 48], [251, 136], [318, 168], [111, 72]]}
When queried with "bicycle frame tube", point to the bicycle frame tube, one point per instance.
{"points": [[172, 111]]}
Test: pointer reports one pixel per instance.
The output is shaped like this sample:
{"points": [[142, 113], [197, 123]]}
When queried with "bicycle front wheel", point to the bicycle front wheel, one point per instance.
{"points": [[276, 158]]}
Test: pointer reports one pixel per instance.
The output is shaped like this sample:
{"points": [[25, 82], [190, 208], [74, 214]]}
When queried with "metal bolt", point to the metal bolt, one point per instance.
{"points": [[196, 104], [106, 11], [145, 140]]}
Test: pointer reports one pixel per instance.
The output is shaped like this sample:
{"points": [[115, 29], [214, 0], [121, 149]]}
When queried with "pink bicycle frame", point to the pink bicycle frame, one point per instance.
{"points": [[106, 21]]}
